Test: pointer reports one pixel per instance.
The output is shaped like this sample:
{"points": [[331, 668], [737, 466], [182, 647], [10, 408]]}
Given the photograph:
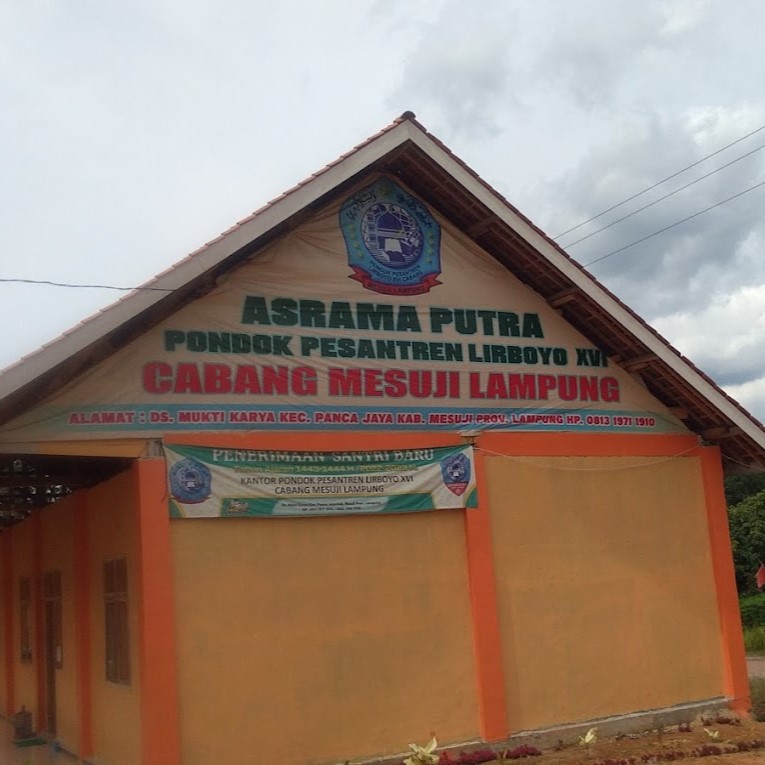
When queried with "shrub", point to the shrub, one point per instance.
{"points": [[707, 750], [753, 610], [519, 753], [477, 757], [747, 534], [423, 755], [754, 639]]}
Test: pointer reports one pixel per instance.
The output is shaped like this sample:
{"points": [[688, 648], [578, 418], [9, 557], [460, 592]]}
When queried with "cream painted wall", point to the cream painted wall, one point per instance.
{"points": [[606, 598], [321, 638]]}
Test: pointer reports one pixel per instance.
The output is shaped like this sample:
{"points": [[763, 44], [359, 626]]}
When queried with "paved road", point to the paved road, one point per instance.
{"points": [[756, 666]]}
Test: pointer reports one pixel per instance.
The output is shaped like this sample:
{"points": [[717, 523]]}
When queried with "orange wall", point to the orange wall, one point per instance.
{"points": [[606, 591], [111, 527], [58, 543], [116, 711], [321, 639], [330, 638], [57, 535]]}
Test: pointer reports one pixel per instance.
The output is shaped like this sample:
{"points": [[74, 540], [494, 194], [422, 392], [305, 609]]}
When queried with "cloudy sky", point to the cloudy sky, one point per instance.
{"points": [[131, 133]]}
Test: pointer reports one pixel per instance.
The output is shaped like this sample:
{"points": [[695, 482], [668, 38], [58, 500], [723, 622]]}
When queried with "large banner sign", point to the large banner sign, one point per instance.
{"points": [[372, 315], [236, 483]]}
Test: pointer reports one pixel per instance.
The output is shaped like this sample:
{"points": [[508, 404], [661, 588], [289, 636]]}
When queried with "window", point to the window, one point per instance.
{"points": [[52, 595], [25, 618], [117, 625]]}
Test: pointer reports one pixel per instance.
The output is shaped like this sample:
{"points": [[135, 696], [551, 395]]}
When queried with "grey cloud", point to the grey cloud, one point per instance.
{"points": [[690, 264], [701, 283], [590, 50], [727, 337], [460, 68], [752, 395]]}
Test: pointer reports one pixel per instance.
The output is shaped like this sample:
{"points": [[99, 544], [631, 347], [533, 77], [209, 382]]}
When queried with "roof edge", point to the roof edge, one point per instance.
{"points": [[196, 264], [404, 129], [552, 252]]}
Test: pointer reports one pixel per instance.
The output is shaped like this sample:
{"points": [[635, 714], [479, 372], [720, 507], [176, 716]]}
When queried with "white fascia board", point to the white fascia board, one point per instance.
{"points": [[583, 282], [29, 368]]}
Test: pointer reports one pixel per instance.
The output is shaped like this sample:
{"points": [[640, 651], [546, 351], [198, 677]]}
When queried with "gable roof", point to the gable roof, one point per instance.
{"points": [[407, 151]]}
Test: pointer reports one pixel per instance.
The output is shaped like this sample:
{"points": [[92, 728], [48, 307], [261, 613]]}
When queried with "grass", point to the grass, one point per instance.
{"points": [[754, 639], [757, 689]]}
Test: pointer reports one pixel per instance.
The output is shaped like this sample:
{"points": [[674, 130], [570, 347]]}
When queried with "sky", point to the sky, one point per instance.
{"points": [[132, 133]]}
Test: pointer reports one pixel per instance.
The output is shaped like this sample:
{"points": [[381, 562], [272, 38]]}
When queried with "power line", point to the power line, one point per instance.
{"points": [[69, 285], [667, 196], [658, 183], [672, 225], [86, 286]]}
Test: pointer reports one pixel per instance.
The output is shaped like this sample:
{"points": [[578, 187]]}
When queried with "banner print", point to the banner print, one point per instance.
{"points": [[241, 483], [372, 315]]}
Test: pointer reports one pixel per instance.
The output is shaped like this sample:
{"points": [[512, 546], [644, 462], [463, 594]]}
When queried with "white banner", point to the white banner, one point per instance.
{"points": [[233, 483]]}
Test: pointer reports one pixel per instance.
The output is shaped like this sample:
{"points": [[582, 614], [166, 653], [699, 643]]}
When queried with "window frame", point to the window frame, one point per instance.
{"points": [[116, 622]]}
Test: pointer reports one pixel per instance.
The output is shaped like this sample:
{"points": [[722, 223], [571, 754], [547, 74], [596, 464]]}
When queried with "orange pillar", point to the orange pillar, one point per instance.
{"points": [[483, 601], [10, 686], [734, 658], [41, 721], [82, 626], [159, 693]]}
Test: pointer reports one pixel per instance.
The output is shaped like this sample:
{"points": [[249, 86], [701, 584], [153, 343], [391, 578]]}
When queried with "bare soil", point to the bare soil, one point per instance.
{"points": [[655, 746]]}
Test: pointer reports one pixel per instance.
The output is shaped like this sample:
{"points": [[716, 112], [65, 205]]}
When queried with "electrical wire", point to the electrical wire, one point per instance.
{"points": [[658, 183], [571, 244], [86, 286], [586, 265], [749, 465], [672, 225], [667, 196], [600, 469]]}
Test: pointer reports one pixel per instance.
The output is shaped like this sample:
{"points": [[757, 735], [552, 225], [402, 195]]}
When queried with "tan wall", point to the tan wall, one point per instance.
{"points": [[25, 672], [58, 546], [116, 708], [606, 595], [321, 638]]}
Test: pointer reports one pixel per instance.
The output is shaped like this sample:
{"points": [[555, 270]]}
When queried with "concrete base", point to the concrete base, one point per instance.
{"points": [[547, 738], [634, 722]]}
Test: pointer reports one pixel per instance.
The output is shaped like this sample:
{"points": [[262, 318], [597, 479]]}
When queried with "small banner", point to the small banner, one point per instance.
{"points": [[233, 483]]}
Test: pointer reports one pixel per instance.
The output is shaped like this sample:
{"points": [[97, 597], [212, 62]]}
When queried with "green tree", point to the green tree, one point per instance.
{"points": [[747, 532], [739, 487]]}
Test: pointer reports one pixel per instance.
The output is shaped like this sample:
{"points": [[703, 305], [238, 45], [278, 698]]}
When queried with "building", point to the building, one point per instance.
{"points": [[389, 337]]}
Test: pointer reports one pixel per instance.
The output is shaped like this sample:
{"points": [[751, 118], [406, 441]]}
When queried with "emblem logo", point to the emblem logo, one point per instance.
{"points": [[455, 471], [393, 242], [190, 481]]}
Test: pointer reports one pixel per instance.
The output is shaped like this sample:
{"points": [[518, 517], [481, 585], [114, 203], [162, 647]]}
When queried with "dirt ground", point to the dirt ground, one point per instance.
{"points": [[756, 666], [659, 747]]}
